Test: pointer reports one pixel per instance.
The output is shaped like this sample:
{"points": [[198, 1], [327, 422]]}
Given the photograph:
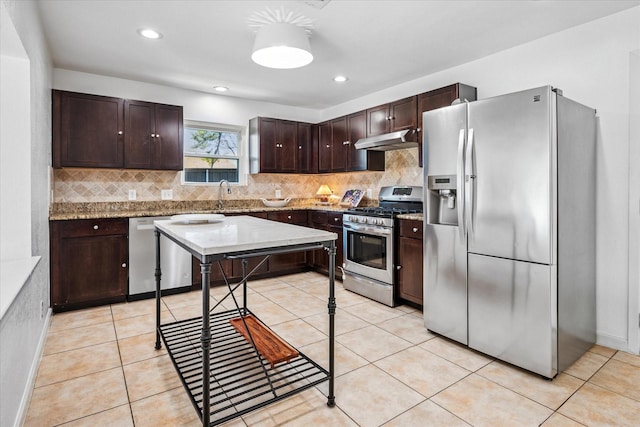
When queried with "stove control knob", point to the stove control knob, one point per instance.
{"points": [[379, 222]]}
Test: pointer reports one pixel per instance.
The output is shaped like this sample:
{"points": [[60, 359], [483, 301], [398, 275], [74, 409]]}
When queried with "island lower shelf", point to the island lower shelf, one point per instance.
{"points": [[242, 380]]}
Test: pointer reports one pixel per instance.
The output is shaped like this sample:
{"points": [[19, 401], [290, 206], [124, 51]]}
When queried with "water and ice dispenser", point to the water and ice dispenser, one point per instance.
{"points": [[442, 204]]}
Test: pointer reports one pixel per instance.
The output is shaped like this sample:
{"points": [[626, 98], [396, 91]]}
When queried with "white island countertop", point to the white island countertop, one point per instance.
{"points": [[240, 234]]}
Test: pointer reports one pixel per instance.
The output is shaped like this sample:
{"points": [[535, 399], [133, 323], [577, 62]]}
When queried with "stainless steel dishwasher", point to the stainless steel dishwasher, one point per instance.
{"points": [[175, 261]]}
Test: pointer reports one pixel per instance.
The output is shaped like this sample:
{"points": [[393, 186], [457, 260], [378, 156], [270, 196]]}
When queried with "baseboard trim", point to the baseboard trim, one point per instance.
{"points": [[33, 373], [612, 341]]}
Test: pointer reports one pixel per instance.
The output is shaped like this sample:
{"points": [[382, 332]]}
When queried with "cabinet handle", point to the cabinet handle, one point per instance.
{"points": [[157, 135], [299, 147], [328, 146], [120, 132], [124, 265], [398, 267], [415, 230], [153, 135], [288, 216], [345, 143], [95, 227], [336, 219]]}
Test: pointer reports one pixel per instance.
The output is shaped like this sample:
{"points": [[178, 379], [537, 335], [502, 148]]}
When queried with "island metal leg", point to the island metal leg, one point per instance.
{"points": [[158, 275], [331, 399], [205, 339]]}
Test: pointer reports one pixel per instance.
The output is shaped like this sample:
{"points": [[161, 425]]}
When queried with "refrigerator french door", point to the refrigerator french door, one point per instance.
{"points": [[509, 191], [523, 190]]}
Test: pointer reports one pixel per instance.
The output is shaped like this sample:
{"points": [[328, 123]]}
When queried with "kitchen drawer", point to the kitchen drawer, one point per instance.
{"points": [[335, 219], [318, 217], [290, 217], [411, 228], [93, 227]]}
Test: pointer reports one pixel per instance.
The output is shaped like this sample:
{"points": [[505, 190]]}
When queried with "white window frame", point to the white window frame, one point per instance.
{"points": [[243, 149]]}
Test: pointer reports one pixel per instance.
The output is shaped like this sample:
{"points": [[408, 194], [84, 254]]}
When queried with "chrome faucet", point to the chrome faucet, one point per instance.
{"points": [[222, 181]]}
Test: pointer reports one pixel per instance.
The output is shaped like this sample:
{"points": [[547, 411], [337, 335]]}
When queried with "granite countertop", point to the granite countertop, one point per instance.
{"points": [[413, 216], [95, 210]]}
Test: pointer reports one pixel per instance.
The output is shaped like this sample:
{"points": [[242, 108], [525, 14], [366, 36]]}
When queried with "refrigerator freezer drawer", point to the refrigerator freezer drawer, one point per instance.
{"points": [[445, 282], [512, 312]]}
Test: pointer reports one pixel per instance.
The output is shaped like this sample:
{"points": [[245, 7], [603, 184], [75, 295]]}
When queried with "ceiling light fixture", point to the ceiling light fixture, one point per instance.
{"points": [[282, 39], [340, 79], [220, 88], [149, 33]]}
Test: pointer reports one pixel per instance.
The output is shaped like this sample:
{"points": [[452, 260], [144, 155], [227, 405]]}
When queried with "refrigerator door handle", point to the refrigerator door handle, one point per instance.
{"points": [[460, 186], [470, 176]]}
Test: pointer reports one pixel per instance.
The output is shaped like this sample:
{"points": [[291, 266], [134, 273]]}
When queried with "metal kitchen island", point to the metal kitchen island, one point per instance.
{"points": [[220, 357]]}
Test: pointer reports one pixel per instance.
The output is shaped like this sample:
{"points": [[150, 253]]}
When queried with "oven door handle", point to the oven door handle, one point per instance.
{"points": [[370, 230]]}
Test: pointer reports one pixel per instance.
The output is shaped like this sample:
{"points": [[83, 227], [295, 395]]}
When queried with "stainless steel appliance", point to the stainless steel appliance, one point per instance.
{"points": [[509, 227], [369, 243], [175, 261]]}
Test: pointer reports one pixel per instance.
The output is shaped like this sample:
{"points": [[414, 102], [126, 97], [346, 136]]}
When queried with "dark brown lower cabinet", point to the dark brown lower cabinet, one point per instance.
{"points": [[329, 221], [88, 262], [410, 261]]}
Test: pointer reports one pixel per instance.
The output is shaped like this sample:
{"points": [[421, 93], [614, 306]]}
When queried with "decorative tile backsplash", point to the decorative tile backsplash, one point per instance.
{"points": [[113, 185]]}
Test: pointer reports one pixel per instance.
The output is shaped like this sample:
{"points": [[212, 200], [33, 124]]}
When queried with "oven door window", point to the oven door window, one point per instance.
{"points": [[367, 249]]}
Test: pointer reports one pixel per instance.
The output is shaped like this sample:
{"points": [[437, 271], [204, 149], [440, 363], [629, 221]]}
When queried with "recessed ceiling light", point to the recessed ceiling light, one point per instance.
{"points": [[149, 33], [220, 88], [340, 79]]}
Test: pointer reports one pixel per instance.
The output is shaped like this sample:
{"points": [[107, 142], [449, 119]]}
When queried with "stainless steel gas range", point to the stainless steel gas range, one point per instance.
{"points": [[370, 246]]}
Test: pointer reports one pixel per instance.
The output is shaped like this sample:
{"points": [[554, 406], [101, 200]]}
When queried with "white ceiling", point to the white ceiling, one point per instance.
{"points": [[377, 44]]}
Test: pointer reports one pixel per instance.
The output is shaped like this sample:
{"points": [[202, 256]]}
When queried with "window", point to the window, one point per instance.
{"points": [[211, 153]]}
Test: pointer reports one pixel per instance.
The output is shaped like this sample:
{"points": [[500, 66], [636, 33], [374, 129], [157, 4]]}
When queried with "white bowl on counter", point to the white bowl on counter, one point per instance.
{"points": [[276, 203]]}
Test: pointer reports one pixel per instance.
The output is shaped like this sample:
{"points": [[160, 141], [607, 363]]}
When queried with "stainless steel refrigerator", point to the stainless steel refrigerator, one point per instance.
{"points": [[509, 229]]}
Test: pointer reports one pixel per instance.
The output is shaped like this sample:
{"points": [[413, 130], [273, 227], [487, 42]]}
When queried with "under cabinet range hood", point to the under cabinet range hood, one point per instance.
{"points": [[389, 141]]}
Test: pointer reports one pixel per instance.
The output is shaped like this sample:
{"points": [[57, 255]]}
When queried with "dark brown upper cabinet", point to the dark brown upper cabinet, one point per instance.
{"points": [[103, 132], [392, 117], [273, 145], [305, 158], [153, 136], [88, 130], [360, 160], [439, 98], [337, 152]]}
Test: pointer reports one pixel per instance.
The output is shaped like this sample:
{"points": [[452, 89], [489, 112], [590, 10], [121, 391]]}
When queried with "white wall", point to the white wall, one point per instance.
{"points": [[590, 63], [15, 147], [24, 325], [634, 202], [198, 106]]}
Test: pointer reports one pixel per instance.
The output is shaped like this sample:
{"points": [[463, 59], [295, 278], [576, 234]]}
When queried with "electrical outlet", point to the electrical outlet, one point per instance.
{"points": [[369, 193], [132, 194], [278, 194], [166, 194]]}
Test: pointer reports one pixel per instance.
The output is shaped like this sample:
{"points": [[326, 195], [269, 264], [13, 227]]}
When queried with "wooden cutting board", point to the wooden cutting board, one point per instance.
{"points": [[269, 345]]}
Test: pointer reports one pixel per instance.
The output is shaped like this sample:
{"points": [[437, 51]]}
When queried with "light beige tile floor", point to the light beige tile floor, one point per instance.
{"points": [[100, 368]]}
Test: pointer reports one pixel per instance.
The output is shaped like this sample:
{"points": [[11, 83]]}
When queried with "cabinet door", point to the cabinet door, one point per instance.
{"points": [[169, 137], [378, 120], [88, 263], [267, 141], [140, 140], [215, 277], [357, 129], [403, 114], [88, 130], [292, 260], [410, 269], [339, 144], [286, 146], [324, 147], [304, 155]]}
